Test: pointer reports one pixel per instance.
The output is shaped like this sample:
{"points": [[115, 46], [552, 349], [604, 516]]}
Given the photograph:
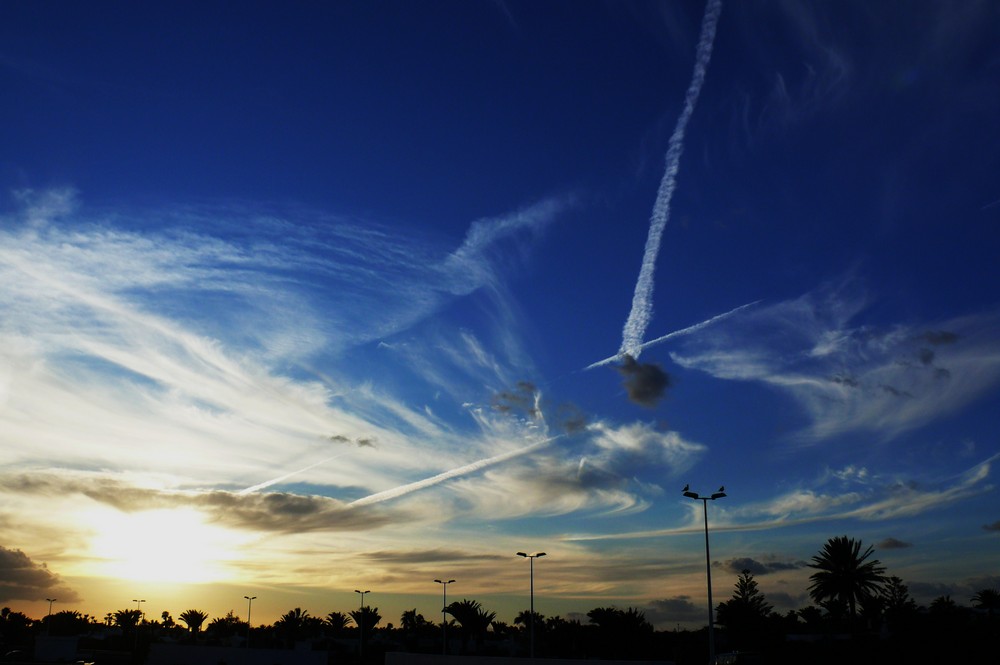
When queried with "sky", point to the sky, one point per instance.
{"points": [[302, 299]]}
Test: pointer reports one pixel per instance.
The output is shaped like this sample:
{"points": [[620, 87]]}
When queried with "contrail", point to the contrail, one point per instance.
{"points": [[478, 465], [642, 300], [275, 481], [677, 333]]}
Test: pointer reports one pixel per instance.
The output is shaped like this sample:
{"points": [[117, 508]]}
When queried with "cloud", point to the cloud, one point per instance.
{"points": [[673, 610], [645, 383], [23, 579], [274, 512], [738, 565], [846, 376], [433, 556], [880, 502], [892, 544]]}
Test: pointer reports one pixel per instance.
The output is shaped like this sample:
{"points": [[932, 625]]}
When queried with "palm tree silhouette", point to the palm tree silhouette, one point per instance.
{"points": [[290, 624], [366, 618], [845, 575], [473, 619], [127, 619], [337, 622], [193, 618], [987, 599]]}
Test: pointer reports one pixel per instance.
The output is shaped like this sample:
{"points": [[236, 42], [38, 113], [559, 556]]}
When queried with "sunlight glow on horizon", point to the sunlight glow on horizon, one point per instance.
{"points": [[157, 546]]}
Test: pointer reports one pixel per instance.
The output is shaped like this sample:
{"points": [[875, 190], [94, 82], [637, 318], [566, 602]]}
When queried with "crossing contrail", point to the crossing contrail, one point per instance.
{"points": [[642, 300], [677, 333], [478, 465], [275, 481]]}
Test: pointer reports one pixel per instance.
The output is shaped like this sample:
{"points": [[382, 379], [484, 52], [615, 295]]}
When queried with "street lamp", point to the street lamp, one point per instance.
{"points": [[708, 562], [444, 619], [48, 619], [138, 620], [531, 568], [250, 600], [361, 626]]}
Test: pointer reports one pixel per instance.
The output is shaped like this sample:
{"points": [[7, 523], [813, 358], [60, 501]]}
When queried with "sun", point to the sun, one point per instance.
{"points": [[175, 545]]}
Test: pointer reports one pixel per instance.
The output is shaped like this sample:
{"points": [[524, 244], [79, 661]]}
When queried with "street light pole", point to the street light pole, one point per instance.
{"points": [[444, 619], [138, 620], [48, 618], [250, 600], [708, 564], [531, 576], [361, 626]]}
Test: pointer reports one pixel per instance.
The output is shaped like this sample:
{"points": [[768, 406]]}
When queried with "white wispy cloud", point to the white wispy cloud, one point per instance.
{"points": [[886, 500], [849, 376]]}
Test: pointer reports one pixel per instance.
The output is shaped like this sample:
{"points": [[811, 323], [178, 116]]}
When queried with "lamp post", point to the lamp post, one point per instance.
{"points": [[361, 626], [250, 600], [708, 563], [531, 576], [444, 620], [138, 620], [48, 618]]}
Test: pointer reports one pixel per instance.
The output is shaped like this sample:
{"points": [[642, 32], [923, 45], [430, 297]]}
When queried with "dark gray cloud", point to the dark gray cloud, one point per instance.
{"points": [[570, 418], [992, 527], [938, 337], [929, 590], [738, 565], [431, 556], [848, 381], [983, 582], [895, 392], [23, 579], [277, 512], [783, 601], [672, 610], [362, 442], [521, 399], [645, 383], [893, 544]]}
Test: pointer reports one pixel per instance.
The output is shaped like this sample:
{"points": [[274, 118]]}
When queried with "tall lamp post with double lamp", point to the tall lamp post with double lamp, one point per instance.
{"points": [[250, 600], [444, 620], [361, 626], [708, 563], [531, 576]]}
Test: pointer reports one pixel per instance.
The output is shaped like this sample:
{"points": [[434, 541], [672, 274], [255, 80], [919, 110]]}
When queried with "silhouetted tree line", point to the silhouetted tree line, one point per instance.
{"points": [[861, 615]]}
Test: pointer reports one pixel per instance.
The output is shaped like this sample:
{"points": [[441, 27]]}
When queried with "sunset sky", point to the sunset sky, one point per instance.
{"points": [[303, 298]]}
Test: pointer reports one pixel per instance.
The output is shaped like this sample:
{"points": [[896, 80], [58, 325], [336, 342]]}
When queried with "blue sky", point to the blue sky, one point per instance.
{"points": [[303, 299]]}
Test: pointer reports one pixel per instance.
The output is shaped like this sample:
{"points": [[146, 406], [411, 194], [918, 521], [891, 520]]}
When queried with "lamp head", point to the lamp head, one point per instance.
{"points": [[718, 495], [691, 495], [522, 554]]}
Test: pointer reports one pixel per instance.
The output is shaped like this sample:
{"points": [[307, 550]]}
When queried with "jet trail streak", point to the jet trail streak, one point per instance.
{"points": [[275, 481], [677, 333], [642, 300], [478, 465]]}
